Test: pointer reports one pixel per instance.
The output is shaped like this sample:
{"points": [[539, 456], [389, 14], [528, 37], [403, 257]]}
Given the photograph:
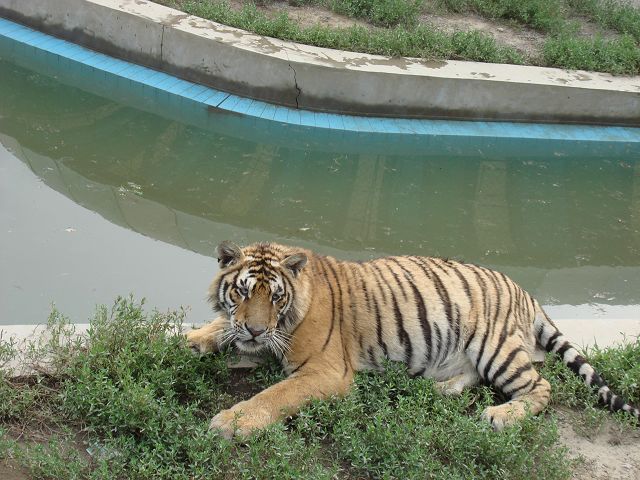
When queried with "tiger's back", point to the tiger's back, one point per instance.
{"points": [[425, 311]]}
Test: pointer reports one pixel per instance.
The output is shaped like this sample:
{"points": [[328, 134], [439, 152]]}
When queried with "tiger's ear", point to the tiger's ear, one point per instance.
{"points": [[295, 262], [228, 254]]}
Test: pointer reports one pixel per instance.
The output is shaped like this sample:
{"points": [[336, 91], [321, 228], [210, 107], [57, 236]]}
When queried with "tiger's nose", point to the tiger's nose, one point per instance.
{"points": [[255, 331]]}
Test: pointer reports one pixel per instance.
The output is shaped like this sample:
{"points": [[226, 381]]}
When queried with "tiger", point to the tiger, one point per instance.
{"points": [[325, 319]]}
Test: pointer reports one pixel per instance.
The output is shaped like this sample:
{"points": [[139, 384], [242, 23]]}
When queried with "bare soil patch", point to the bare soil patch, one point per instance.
{"points": [[240, 386], [610, 453], [527, 41], [31, 435], [11, 471]]}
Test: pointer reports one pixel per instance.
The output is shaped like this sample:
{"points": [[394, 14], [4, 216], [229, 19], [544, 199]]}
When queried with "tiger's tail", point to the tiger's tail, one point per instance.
{"points": [[552, 340]]}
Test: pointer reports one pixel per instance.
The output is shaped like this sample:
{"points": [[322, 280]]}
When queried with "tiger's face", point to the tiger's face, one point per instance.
{"points": [[261, 291]]}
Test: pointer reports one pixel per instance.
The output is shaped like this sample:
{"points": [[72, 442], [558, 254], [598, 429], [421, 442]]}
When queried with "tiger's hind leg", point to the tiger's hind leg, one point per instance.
{"points": [[501, 359], [509, 368]]}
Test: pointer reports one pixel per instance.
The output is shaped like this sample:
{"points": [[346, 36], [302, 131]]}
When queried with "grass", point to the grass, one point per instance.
{"points": [[618, 15], [384, 13], [618, 56], [395, 29], [399, 40], [544, 15], [133, 393]]}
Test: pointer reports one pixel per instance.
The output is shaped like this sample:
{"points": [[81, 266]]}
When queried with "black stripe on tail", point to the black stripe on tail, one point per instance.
{"points": [[552, 340]]}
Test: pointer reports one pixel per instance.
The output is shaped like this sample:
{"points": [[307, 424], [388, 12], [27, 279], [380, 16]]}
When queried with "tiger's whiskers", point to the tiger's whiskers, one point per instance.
{"points": [[227, 336], [280, 343]]}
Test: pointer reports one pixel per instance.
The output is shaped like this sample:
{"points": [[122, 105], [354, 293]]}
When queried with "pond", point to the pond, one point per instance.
{"points": [[130, 191]]}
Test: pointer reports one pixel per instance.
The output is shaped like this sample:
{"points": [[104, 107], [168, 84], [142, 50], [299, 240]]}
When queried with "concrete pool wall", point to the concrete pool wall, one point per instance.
{"points": [[306, 77]]}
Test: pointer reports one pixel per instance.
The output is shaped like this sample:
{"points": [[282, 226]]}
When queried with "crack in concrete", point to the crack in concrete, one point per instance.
{"points": [[161, 42], [295, 81]]}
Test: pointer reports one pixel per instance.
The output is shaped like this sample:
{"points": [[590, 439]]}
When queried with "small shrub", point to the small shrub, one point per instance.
{"points": [[620, 367], [385, 13], [134, 367], [482, 48]]}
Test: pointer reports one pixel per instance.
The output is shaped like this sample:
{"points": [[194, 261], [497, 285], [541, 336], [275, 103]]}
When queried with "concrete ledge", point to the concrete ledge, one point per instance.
{"points": [[307, 77], [582, 333]]}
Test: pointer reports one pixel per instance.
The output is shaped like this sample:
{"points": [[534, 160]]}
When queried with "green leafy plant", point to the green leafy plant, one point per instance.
{"points": [[385, 13]]}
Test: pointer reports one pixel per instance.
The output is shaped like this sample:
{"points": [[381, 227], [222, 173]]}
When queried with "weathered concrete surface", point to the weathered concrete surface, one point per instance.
{"points": [[331, 80], [99, 25]]}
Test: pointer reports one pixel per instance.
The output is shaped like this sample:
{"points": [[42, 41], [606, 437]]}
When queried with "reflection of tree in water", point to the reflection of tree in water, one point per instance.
{"points": [[361, 221], [249, 188]]}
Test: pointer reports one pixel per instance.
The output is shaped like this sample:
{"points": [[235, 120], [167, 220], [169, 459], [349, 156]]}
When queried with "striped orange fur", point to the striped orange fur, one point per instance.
{"points": [[326, 319]]}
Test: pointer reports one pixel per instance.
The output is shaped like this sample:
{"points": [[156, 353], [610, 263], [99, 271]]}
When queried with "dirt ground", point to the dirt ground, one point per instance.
{"points": [[11, 472], [609, 455]]}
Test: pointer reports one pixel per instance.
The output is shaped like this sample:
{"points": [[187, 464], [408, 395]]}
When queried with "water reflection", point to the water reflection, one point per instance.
{"points": [[563, 219]]}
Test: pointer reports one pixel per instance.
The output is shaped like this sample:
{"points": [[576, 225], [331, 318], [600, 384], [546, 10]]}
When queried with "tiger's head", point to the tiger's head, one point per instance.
{"points": [[263, 292]]}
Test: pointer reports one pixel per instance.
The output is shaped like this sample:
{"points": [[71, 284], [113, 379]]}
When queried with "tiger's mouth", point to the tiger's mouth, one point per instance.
{"points": [[251, 345], [276, 340]]}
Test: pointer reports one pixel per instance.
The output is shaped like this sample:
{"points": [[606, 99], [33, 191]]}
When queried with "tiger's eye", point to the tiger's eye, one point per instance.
{"points": [[275, 297], [242, 290]]}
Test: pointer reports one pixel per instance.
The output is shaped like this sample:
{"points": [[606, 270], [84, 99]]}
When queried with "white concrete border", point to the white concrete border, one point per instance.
{"points": [[322, 79], [582, 333]]}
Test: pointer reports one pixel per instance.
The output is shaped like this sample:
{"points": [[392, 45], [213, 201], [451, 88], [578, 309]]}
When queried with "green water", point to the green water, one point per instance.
{"points": [[563, 219]]}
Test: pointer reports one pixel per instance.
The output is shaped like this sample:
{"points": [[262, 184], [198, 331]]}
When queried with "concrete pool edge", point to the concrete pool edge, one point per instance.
{"points": [[582, 333], [305, 77], [113, 78]]}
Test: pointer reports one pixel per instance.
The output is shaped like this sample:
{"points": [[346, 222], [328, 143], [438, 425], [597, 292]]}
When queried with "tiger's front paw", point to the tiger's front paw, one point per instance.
{"points": [[202, 340], [240, 420]]}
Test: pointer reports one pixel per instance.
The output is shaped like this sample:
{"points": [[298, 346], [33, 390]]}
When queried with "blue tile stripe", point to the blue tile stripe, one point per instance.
{"points": [[233, 103]]}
